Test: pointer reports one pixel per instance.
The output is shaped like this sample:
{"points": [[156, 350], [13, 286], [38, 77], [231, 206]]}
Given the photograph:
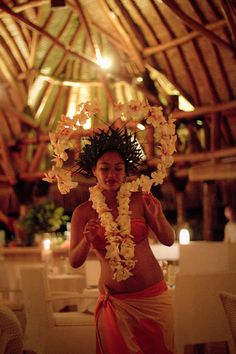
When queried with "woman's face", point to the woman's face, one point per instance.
{"points": [[110, 171]]}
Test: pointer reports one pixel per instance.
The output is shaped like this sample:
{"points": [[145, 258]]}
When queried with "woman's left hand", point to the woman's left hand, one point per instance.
{"points": [[152, 206], [157, 220]]}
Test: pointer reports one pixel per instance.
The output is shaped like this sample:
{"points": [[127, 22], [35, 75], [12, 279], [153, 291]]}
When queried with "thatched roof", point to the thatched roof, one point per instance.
{"points": [[49, 60]]}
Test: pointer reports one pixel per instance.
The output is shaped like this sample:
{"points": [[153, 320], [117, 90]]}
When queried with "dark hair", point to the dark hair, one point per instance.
{"points": [[111, 140]]}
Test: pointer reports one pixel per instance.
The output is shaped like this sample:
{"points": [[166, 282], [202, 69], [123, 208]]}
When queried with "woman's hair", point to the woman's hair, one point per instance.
{"points": [[111, 140]]}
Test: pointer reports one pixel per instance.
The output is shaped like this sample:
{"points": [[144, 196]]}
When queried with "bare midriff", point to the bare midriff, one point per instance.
{"points": [[147, 271]]}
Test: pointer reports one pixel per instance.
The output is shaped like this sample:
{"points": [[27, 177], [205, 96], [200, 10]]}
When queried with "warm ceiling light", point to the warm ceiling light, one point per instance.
{"points": [[105, 63], [139, 79], [140, 126]]}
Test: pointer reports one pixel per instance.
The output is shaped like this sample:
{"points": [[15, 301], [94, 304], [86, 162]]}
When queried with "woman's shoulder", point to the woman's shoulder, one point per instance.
{"points": [[84, 208], [137, 195], [137, 202]]}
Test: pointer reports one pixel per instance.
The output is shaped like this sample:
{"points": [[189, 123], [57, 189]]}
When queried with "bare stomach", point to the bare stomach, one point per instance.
{"points": [[146, 272]]}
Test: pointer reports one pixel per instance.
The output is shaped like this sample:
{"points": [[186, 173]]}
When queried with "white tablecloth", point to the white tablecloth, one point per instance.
{"points": [[90, 295], [67, 282]]}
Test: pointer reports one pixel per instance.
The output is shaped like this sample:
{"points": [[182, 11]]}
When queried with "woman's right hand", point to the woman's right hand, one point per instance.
{"points": [[90, 229]]}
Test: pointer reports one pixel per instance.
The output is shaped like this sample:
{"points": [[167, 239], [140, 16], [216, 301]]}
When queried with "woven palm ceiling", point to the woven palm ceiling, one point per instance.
{"points": [[167, 52]]}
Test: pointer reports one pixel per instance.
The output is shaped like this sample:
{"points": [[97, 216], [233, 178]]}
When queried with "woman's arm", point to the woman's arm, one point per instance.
{"points": [[157, 220], [83, 232]]}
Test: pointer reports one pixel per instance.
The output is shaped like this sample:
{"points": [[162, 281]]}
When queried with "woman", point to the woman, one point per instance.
{"points": [[134, 311], [230, 226]]}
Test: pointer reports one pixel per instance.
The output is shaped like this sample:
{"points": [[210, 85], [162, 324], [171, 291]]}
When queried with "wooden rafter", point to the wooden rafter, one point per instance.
{"points": [[5, 161], [127, 42], [23, 117], [59, 36], [197, 26], [200, 156], [96, 51], [66, 49], [38, 155], [227, 9], [10, 42], [181, 40], [38, 29], [200, 111], [27, 5], [182, 56], [216, 171]]}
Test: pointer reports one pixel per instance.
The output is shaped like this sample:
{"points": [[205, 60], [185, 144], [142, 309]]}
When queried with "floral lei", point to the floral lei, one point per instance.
{"points": [[120, 247]]}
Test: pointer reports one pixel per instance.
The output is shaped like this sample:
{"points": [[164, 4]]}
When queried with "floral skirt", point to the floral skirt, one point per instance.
{"points": [[135, 323]]}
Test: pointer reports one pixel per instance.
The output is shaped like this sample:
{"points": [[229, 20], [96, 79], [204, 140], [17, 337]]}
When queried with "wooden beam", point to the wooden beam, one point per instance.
{"points": [[209, 210], [211, 36], [67, 49], [228, 9], [5, 162], [38, 29], [199, 111], [124, 36], [13, 47], [37, 157], [59, 36], [96, 51], [199, 156], [27, 5], [180, 40], [216, 171], [31, 176], [23, 117]]}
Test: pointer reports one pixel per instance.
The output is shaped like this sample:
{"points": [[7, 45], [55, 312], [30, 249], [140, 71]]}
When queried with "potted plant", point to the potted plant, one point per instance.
{"points": [[41, 219]]}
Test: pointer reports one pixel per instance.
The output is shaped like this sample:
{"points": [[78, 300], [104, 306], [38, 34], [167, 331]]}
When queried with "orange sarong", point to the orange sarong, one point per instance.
{"points": [[135, 323]]}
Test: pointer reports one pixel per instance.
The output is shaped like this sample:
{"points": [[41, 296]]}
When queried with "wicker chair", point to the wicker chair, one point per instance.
{"points": [[229, 303], [199, 316], [11, 333]]}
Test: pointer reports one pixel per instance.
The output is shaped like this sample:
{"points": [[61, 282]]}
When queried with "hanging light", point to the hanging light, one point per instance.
{"points": [[105, 63]]}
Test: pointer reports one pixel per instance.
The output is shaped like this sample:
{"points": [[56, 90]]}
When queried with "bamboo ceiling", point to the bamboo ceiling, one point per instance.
{"points": [[49, 60]]}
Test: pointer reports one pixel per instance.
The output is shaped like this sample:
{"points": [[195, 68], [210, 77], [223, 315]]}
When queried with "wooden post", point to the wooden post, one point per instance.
{"points": [[209, 209], [180, 206]]}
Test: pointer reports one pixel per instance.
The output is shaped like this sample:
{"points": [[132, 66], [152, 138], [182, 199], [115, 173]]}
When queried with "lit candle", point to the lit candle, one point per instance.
{"points": [[46, 251], [184, 236]]}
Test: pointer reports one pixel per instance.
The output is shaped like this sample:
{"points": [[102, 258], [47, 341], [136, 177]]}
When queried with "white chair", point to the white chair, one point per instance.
{"points": [[92, 272], [49, 332], [11, 333], [10, 292], [207, 257], [199, 315], [229, 304]]}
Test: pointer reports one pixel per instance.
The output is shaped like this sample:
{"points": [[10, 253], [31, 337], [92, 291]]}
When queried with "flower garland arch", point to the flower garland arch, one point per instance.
{"points": [[120, 247]]}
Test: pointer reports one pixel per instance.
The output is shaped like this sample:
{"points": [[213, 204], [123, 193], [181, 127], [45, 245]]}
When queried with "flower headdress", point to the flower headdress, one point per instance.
{"points": [[112, 139], [119, 242]]}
